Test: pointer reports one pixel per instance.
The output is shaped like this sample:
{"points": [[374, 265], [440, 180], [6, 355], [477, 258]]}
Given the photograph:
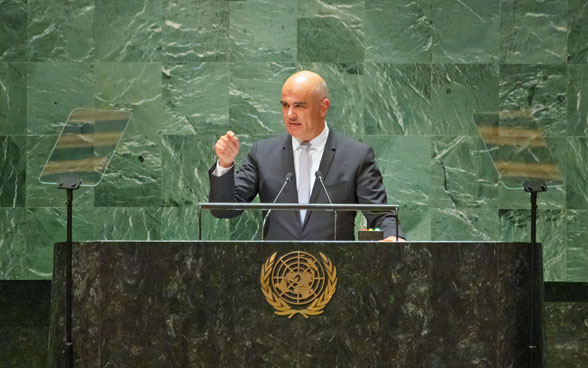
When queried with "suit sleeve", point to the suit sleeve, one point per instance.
{"points": [[370, 190], [232, 187]]}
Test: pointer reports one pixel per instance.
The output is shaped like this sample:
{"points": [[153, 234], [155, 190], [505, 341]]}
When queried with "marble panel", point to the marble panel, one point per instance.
{"points": [[13, 98], [13, 30], [181, 223], [12, 171], [533, 31], [47, 195], [397, 99], [128, 30], [566, 334], [577, 101], [534, 97], [451, 223], [254, 97], [415, 221], [463, 175], [44, 227], [515, 225], [577, 173], [346, 93], [58, 31], [13, 245], [578, 31], [331, 31], [196, 31], [127, 223], [133, 177], [576, 245], [134, 86], [460, 91], [263, 30], [195, 98], [466, 31], [398, 32], [53, 90]]}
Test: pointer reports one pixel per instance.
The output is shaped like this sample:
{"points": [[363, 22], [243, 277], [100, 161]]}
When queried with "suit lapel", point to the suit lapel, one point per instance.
{"points": [[291, 192]]}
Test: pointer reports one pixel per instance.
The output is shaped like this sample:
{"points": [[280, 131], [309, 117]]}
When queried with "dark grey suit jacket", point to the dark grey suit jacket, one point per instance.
{"points": [[349, 172]]}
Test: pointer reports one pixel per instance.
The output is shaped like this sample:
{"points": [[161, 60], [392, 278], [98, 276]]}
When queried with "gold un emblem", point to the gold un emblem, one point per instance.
{"points": [[298, 283]]}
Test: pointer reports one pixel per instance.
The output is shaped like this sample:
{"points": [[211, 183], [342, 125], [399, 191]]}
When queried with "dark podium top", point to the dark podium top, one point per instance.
{"points": [[200, 304]]}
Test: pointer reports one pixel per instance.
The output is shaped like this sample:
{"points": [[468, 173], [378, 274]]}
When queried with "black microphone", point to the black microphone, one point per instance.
{"points": [[289, 177], [319, 177]]}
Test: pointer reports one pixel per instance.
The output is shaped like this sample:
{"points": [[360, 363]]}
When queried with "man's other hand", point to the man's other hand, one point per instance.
{"points": [[227, 148], [394, 239]]}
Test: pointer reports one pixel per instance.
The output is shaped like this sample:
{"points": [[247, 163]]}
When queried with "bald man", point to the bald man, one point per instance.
{"points": [[348, 169]]}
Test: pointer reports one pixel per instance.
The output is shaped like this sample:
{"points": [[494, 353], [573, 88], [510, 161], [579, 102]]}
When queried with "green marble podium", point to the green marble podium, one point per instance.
{"points": [[199, 304]]}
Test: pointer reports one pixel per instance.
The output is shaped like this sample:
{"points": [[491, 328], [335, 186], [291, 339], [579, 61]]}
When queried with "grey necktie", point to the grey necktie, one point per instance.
{"points": [[303, 177]]}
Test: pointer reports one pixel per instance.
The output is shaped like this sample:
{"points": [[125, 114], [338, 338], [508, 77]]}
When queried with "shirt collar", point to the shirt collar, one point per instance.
{"points": [[317, 143]]}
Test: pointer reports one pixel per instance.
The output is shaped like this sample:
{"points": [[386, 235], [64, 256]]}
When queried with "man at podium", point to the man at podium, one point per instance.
{"points": [[290, 168]]}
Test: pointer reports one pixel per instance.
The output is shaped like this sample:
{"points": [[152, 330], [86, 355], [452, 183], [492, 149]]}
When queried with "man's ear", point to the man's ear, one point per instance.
{"points": [[325, 104]]}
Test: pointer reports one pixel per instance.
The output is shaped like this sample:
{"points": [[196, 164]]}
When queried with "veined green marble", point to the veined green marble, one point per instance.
{"points": [[331, 31], [533, 32], [397, 99], [398, 32], [196, 31], [577, 173], [263, 30], [466, 31], [13, 30], [578, 35], [59, 32], [196, 98], [13, 98], [12, 171], [135, 86], [576, 249], [128, 30], [464, 223], [129, 223], [133, 178], [566, 331], [576, 97], [54, 89], [13, 245]]}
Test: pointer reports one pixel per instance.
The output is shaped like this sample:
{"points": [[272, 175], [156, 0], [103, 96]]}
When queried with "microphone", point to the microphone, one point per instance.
{"points": [[319, 177], [289, 177]]}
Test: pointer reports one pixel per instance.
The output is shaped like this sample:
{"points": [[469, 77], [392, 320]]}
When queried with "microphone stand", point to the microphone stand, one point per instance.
{"points": [[288, 178], [319, 177]]}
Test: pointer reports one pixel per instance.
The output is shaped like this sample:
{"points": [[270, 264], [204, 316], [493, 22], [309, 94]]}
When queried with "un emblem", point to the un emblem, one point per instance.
{"points": [[298, 283]]}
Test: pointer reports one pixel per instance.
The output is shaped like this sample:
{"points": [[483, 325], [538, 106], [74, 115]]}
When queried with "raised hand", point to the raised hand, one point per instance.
{"points": [[227, 148]]}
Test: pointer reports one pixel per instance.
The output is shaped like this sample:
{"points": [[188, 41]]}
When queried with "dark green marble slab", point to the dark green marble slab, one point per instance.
{"points": [[134, 86], [200, 304], [466, 31], [331, 31], [457, 93], [398, 32], [566, 332], [129, 30], [533, 32], [195, 98], [397, 99], [13, 30], [577, 106], [133, 177], [576, 249], [53, 90], [196, 31], [578, 34], [13, 98], [15, 249], [535, 97], [57, 31], [12, 171], [262, 30], [577, 172]]}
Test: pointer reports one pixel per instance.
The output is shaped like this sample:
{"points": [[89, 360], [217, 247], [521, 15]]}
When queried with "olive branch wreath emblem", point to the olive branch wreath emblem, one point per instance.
{"points": [[281, 307]]}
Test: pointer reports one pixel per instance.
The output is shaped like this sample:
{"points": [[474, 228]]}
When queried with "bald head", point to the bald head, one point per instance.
{"points": [[305, 102]]}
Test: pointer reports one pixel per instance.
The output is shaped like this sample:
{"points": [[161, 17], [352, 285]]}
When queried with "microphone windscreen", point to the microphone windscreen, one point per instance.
{"points": [[318, 174]]}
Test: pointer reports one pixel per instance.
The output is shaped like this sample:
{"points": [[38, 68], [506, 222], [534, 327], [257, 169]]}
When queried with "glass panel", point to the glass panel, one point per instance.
{"points": [[518, 149], [85, 146]]}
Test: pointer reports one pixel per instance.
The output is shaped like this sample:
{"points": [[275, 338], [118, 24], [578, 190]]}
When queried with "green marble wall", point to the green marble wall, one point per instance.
{"points": [[405, 76]]}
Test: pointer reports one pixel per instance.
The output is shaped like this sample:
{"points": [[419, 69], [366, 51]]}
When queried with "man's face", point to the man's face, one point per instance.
{"points": [[302, 111]]}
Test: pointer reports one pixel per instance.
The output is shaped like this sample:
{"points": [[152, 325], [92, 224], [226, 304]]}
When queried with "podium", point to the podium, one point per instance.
{"points": [[200, 304]]}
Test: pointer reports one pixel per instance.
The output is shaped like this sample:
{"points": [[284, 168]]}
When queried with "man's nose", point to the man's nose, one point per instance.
{"points": [[290, 112]]}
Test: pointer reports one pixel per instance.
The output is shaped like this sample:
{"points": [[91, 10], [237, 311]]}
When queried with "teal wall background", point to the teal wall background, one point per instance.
{"points": [[404, 76]]}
